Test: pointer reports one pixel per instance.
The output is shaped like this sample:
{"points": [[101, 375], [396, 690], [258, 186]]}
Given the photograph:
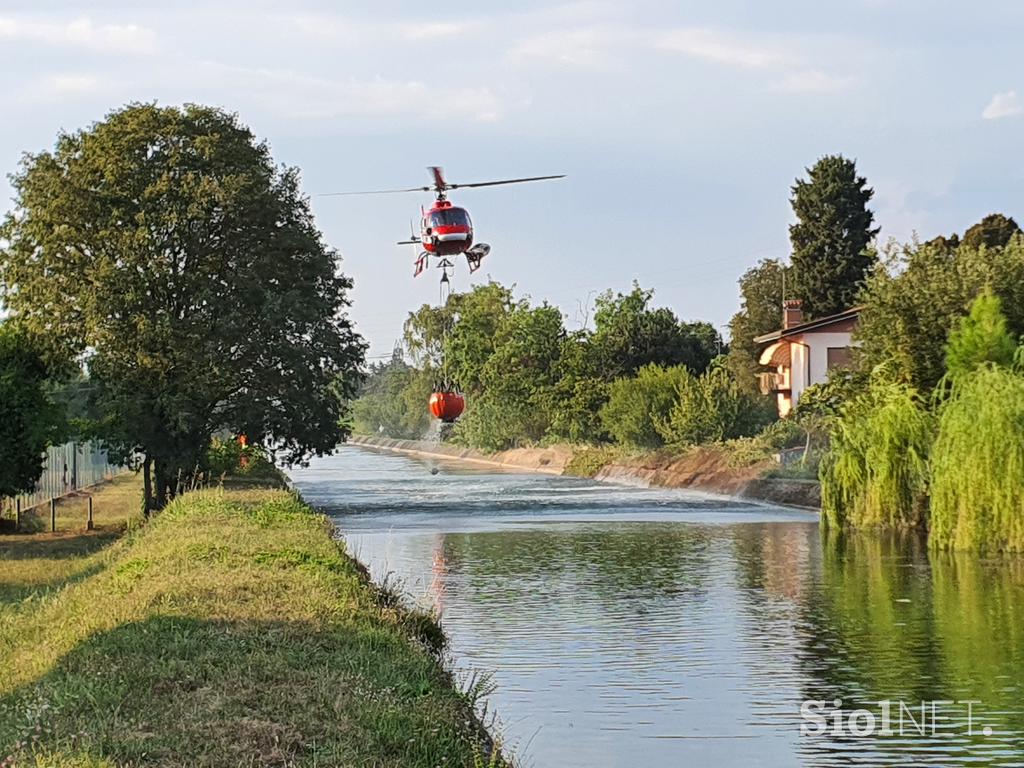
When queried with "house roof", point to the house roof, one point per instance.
{"points": [[810, 325]]}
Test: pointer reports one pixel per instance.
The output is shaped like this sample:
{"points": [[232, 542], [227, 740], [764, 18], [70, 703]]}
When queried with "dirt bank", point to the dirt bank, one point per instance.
{"points": [[705, 469]]}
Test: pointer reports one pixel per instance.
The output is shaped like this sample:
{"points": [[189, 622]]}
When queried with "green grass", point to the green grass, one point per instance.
{"points": [[33, 564], [231, 630]]}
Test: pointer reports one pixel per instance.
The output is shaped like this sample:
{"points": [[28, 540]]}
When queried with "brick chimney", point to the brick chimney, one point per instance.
{"points": [[792, 313]]}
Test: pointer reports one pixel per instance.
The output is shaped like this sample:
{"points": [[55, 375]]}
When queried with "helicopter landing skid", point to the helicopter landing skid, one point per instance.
{"points": [[421, 263]]}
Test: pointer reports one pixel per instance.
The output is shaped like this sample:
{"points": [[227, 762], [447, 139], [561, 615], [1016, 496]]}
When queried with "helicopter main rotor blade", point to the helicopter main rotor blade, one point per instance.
{"points": [[505, 181], [377, 192]]}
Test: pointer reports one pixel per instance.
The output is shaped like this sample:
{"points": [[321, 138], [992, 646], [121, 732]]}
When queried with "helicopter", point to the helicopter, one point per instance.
{"points": [[446, 230]]}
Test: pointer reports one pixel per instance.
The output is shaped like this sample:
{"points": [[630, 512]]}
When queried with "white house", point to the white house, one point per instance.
{"points": [[802, 353]]}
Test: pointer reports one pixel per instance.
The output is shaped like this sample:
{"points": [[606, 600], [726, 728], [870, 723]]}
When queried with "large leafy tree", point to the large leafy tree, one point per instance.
{"points": [[629, 333], [29, 420], [166, 246], [993, 231], [832, 235], [514, 400], [761, 293], [912, 306]]}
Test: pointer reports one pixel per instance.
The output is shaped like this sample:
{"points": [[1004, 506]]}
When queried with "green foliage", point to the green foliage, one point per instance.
{"points": [[228, 457], [832, 235], [578, 393], [637, 403], [167, 245], [587, 462], [393, 401], [977, 486], [912, 306], [516, 380], [876, 471], [980, 337], [761, 294], [993, 231], [713, 407], [629, 334], [29, 420]]}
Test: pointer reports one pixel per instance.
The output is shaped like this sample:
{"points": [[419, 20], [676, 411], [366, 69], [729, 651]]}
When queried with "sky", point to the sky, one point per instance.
{"points": [[681, 125]]}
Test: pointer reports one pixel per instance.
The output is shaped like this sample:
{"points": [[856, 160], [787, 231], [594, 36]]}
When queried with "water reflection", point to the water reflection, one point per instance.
{"points": [[659, 627]]}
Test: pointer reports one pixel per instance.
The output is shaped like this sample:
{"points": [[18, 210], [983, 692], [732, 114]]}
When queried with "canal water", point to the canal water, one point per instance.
{"points": [[639, 627]]}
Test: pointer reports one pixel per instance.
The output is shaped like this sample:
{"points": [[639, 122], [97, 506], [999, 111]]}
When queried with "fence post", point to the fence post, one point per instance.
{"points": [[53, 515], [17, 515], [88, 525]]}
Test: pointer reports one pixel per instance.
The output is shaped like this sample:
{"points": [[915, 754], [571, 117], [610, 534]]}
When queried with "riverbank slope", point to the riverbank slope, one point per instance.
{"points": [[703, 468], [232, 629]]}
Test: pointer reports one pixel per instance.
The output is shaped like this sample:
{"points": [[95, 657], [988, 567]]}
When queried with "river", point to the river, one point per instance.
{"points": [[640, 627]]}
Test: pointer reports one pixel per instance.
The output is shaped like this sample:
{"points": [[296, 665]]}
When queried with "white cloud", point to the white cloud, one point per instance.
{"points": [[713, 46], [813, 81], [1006, 104], [296, 95], [584, 47], [68, 84], [354, 32], [435, 30], [81, 33]]}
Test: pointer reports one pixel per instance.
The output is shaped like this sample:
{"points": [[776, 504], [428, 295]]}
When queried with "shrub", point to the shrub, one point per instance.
{"points": [[637, 403], [713, 407], [228, 457]]}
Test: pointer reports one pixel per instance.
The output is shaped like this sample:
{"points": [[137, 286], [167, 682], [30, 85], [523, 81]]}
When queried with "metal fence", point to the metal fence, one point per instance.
{"points": [[68, 468]]}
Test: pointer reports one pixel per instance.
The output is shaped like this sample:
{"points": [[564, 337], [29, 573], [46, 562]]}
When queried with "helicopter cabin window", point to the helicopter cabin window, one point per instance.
{"points": [[450, 217]]}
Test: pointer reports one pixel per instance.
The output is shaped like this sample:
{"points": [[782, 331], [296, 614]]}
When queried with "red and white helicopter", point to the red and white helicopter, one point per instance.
{"points": [[445, 229]]}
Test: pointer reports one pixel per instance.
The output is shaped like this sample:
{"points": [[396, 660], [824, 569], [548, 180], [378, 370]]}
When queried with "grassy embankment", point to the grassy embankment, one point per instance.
{"points": [[230, 630]]}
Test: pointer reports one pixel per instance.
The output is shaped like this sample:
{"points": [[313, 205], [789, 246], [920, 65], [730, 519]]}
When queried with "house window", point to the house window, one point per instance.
{"points": [[839, 357]]}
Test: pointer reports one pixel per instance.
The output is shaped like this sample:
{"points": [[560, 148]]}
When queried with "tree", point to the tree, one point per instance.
{"points": [[832, 235], [165, 245], [629, 334], [993, 231], [393, 401], [29, 421], [512, 406], [761, 295], [578, 394], [980, 337], [912, 306]]}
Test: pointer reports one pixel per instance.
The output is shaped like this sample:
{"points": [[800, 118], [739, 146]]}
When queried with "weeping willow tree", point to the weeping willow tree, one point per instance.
{"points": [[978, 463], [876, 471]]}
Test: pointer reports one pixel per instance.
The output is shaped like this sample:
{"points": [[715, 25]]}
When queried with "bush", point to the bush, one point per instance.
{"points": [[713, 407], [589, 461], [637, 404], [228, 457]]}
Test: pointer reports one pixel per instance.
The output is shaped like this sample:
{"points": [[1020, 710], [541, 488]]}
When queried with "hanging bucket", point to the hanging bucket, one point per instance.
{"points": [[447, 406]]}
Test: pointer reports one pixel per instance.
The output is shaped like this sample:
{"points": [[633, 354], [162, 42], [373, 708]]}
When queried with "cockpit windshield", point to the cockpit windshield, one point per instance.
{"points": [[449, 217]]}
